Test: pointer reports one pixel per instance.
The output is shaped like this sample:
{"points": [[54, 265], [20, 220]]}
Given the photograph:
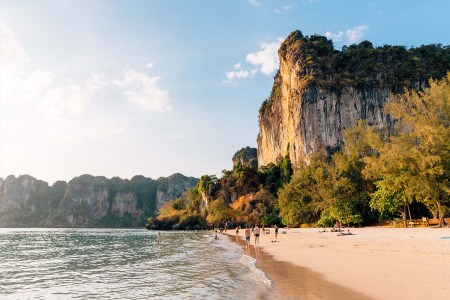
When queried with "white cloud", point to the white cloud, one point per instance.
{"points": [[337, 37], [254, 2], [267, 58], [34, 93], [143, 91], [149, 65], [285, 8], [355, 34], [11, 51], [351, 35], [241, 74]]}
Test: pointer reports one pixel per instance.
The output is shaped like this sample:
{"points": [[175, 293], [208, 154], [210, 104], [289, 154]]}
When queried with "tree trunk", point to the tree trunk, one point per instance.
{"points": [[441, 215], [404, 216]]}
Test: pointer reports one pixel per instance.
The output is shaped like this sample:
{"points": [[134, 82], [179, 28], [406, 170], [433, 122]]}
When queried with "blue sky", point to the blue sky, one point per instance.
{"points": [[123, 88]]}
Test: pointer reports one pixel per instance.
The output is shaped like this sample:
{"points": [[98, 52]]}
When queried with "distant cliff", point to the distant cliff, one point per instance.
{"points": [[86, 201], [318, 92], [247, 157]]}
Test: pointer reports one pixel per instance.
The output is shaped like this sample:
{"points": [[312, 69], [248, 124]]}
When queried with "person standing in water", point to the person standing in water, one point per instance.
{"points": [[256, 232], [158, 238]]}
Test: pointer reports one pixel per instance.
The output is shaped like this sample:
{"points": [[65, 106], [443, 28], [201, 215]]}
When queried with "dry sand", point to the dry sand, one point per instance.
{"points": [[373, 263]]}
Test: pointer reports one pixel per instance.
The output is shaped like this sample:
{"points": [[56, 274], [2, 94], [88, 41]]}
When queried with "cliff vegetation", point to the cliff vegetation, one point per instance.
{"points": [[86, 201], [243, 195], [379, 174], [362, 65]]}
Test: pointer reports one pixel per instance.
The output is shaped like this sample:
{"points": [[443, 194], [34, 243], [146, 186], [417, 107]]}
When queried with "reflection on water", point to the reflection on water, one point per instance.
{"points": [[124, 264]]}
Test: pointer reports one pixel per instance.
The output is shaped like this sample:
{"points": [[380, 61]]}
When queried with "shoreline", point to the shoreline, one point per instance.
{"points": [[290, 281], [373, 263]]}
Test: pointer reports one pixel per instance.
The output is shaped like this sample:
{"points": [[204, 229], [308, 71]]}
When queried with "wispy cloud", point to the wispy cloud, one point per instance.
{"points": [[57, 97], [254, 2], [241, 74], [34, 98], [285, 8], [144, 92], [310, 1], [11, 50], [97, 82], [349, 36]]}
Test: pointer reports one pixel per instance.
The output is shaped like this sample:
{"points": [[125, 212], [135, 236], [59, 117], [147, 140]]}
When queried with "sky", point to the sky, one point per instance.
{"points": [[124, 88]]}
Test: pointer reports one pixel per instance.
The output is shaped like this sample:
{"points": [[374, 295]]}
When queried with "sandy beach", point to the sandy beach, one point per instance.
{"points": [[373, 263]]}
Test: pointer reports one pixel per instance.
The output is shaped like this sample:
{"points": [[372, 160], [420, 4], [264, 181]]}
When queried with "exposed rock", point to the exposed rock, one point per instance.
{"points": [[86, 200], [15, 192], [25, 194], [318, 92], [125, 203], [173, 187]]}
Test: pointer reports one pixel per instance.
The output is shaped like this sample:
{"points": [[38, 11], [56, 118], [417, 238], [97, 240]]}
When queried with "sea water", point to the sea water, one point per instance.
{"points": [[125, 264]]}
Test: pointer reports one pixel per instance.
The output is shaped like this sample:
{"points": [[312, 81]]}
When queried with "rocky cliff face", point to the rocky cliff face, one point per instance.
{"points": [[25, 194], [173, 187], [86, 200], [318, 92]]}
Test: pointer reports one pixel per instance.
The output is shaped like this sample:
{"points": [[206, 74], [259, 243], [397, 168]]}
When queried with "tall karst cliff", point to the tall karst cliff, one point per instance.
{"points": [[86, 201], [318, 92]]}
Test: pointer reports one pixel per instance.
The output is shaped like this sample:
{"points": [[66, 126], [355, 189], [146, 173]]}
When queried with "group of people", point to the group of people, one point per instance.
{"points": [[256, 231]]}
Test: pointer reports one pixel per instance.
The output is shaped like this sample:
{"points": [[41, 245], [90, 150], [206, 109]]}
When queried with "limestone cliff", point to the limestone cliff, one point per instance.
{"points": [[86, 201], [173, 187], [24, 193], [318, 92]]}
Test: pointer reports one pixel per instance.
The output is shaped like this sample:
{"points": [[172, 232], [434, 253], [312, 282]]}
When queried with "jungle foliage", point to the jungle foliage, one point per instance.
{"points": [[378, 174]]}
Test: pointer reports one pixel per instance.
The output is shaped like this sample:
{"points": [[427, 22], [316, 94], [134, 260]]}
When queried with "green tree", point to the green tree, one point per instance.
{"points": [[218, 212], [350, 194], [306, 195], [414, 162]]}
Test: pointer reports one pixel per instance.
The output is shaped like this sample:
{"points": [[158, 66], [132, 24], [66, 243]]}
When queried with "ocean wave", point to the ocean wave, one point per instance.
{"points": [[250, 262]]}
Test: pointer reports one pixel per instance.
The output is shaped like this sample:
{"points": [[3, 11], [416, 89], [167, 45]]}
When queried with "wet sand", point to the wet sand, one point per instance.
{"points": [[373, 263], [294, 282]]}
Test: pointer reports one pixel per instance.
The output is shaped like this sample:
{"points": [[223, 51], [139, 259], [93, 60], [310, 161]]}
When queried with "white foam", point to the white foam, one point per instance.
{"points": [[256, 273]]}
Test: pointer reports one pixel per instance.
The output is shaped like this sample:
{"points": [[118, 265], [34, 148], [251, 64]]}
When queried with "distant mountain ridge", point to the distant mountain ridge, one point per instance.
{"points": [[86, 200]]}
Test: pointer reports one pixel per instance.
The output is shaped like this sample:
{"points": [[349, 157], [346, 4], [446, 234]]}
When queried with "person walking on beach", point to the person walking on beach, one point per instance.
{"points": [[247, 236], [237, 230], [276, 231], [256, 232]]}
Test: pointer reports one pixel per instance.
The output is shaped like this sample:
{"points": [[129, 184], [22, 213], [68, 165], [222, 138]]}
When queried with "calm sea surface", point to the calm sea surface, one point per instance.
{"points": [[125, 264]]}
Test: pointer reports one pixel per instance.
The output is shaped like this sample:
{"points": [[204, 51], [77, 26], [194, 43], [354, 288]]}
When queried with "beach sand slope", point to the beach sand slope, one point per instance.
{"points": [[372, 263]]}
